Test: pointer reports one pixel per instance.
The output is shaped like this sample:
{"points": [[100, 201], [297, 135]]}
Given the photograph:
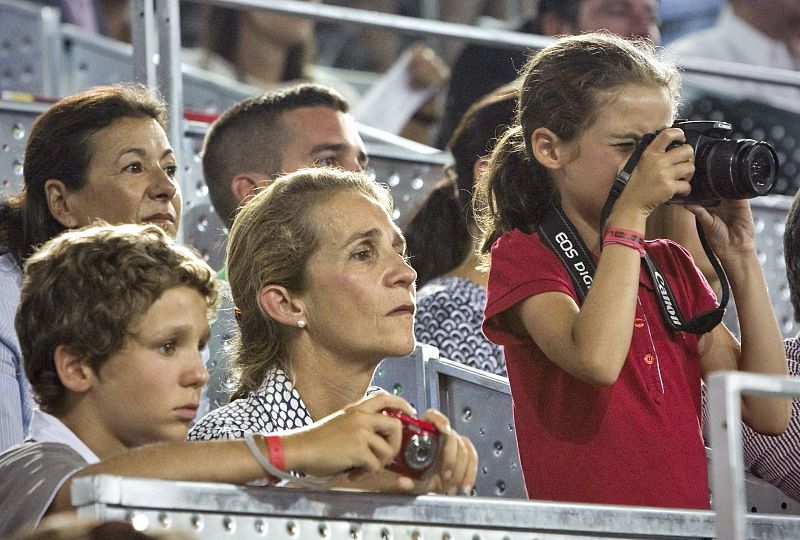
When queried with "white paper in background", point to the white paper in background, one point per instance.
{"points": [[391, 102]]}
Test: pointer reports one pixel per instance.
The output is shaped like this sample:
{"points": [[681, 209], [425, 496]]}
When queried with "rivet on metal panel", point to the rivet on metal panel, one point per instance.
{"points": [[386, 534], [501, 487], [138, 521], [324, 531], [397, 389], [165, 520], [447, 536], [229, 524], [260, 526], [416, 535], [292, 528], [498, 448], [197, 522], [355, 531], [18, 132], [467, 414]]}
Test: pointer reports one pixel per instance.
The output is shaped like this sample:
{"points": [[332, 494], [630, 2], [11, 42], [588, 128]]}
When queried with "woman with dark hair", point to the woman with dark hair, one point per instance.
{"points": [[100, 154], [452, 292]]}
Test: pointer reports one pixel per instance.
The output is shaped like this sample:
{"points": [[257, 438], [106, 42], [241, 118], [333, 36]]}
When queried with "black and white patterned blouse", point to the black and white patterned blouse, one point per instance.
{"points": [[775, 459], [449, 316], [276, 406]]}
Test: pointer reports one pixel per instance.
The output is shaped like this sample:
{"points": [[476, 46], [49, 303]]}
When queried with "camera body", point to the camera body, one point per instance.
{"points": [[420, 447], [726, 168]]}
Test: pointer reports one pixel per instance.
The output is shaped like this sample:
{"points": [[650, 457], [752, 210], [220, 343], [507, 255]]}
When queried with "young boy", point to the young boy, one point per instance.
{"points": [[111, 323]]}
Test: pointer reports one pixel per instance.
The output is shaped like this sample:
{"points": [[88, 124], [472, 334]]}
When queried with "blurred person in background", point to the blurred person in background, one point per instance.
{"points": [[480, 69], [757, 32], [441, 243]]}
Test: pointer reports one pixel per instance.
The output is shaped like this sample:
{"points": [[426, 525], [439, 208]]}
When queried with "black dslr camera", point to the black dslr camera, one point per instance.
{"points": [[726, 168]]}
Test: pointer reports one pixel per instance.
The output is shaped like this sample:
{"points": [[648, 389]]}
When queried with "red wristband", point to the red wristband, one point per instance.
{"points": [[275, 451], [625, 237]]}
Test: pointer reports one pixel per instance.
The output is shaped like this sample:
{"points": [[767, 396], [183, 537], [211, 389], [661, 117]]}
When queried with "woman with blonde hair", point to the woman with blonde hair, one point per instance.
{"points": [[323, 292]]}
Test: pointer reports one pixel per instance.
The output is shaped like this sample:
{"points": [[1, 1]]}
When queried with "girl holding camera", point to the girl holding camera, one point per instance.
{"points": [[606, 392]]}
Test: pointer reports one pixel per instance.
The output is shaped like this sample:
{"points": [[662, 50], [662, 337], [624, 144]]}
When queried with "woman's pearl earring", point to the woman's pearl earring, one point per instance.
{"points": [[301, 323]]}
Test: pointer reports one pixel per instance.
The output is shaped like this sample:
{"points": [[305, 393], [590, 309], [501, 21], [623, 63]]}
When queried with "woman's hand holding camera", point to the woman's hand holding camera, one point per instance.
{"points": [[457, 466], [357, 439], [362, 441]]}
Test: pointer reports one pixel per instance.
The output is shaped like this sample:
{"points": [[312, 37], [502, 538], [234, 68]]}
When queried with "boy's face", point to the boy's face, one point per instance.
{"points": [[149, 390]]}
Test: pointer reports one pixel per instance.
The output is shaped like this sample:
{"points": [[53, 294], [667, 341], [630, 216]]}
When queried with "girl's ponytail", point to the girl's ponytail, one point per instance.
{"points": [[514, 192]]}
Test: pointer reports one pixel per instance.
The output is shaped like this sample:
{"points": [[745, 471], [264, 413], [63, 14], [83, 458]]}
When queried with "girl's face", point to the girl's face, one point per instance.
{"points": [[597, 155]]}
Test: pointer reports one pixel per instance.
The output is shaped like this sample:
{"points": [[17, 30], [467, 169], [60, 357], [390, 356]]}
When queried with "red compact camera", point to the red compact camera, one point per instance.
{"points": [[420, 447]]}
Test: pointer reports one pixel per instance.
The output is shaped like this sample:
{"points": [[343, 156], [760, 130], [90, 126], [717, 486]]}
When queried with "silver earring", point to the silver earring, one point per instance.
{"points": [[301, 323]]}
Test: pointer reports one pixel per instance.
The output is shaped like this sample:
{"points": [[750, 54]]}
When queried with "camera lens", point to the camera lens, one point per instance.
{"points": [[739, 169], [420, 451]]}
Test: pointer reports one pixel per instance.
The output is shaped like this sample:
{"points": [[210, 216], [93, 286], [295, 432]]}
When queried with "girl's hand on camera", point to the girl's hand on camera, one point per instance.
{"points": [[728, 228], [659, 175]]}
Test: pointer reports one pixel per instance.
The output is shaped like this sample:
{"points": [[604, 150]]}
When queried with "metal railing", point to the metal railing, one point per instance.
{"points": [[725, 391]]}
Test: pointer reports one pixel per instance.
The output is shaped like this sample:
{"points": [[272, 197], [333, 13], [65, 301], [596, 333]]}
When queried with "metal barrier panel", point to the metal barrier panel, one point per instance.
{"points": [[92, 60], [227, 511], [725, 390], [478, 405], [29, 47], [15, 123], [405, 376]]}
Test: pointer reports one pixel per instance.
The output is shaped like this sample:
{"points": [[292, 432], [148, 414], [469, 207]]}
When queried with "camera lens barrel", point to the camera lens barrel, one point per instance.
{"points": [[420, 452], [736, 169]]}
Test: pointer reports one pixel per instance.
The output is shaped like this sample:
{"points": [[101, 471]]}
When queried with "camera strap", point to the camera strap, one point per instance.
{"points": [[559, 234]]}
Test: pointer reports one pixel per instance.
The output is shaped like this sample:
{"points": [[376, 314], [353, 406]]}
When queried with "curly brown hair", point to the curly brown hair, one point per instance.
{"points": [[86, 288]]}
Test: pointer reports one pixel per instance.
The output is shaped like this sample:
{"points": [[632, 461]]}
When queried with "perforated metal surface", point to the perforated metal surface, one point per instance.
{"points": [[29, 49], [15, 122], [478, 405], [405, 377], [91, 60], [225, 511]]}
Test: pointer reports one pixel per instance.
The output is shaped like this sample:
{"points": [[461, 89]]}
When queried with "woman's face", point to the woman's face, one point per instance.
{"points": [[130, 178], [360, 295]]}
